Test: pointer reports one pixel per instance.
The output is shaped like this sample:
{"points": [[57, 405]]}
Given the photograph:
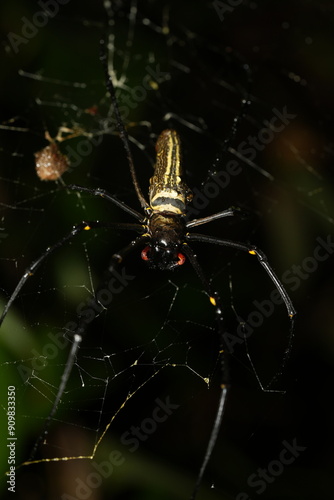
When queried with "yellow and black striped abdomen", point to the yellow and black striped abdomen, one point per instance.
{"points": [[168, 193]]}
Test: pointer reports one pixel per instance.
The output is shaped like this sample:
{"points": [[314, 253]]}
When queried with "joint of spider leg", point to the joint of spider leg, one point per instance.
{"points": [[100, 192], [213, 301], [215, 304], [117, 257], [240, 212], [77, 338], [148, 212], [259, 254]]}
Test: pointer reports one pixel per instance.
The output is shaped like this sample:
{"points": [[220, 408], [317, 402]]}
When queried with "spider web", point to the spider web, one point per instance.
{"points": [[143, 391]]}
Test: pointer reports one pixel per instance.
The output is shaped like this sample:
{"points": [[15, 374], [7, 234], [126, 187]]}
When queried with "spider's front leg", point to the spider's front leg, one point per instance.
{"points": [[76, 229], [263, 260], [78, 334], [102, 193], [230, 212]]}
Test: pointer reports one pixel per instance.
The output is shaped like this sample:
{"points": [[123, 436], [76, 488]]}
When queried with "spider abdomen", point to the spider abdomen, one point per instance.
{"points": [[168, 192]]}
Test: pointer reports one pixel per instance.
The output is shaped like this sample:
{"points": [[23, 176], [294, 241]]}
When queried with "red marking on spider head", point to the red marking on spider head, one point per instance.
{"points": [[145, 253], [162, 258]]}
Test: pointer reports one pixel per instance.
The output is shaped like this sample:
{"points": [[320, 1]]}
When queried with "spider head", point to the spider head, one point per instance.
{"points": [[161, 256]]}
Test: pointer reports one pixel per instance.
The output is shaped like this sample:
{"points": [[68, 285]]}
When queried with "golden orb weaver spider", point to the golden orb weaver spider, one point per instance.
{"points": [[163, 232]]}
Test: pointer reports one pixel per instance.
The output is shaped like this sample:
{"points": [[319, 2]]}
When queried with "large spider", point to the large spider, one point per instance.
{"points": [[163, 232]]}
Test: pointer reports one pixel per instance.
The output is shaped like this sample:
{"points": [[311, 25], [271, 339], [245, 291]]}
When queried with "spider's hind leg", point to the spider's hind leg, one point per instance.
{"points": [[224, 385]]}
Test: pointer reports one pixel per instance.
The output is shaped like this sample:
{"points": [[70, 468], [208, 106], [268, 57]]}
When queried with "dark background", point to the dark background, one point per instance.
{"points": [[288, 46]]}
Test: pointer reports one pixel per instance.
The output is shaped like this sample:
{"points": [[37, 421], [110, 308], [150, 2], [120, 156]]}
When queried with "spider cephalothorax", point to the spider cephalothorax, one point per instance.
{"points": [[166, 232]]}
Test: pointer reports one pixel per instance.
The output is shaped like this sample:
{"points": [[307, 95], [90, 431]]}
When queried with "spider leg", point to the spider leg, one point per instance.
{"points": [[230, 212], [262, 258], [120, 125], [77, 339], [118, 257], [215, 300], [224, 386], [78, 228], [104, 194]]}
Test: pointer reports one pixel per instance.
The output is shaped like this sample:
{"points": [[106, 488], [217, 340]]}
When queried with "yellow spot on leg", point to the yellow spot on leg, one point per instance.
{"points": [[252, 252], [117, 257], [87, 228], [153, 85], [213, 301]]}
